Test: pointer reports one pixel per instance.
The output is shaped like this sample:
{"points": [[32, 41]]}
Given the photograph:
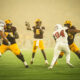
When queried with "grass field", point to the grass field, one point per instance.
{"points": [[13, 69]]}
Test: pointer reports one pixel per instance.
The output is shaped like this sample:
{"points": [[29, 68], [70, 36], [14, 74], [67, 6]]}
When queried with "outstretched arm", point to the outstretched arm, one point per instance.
{"points": [[73, 31]]}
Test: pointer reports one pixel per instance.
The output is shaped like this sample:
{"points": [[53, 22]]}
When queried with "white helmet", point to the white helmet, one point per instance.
{"points": [[2, 23], [58, 26]]}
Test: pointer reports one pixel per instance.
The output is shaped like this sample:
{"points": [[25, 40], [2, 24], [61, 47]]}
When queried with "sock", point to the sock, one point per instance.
{"points": [[33, 55], [44, 54], [25, 63], [20, 57]]}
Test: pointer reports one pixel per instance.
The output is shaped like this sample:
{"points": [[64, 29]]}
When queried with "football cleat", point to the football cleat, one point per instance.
{"points": [[27, 66], [50, 67], [46, 62], [31, 62], [25, 63], [70, 65]]}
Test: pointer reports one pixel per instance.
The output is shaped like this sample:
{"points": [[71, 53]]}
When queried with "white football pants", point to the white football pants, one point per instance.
{"points": [[58, 48]]}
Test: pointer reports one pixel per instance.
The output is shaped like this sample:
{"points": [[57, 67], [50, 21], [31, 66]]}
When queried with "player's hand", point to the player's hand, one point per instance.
{"points": [[27, 24]]}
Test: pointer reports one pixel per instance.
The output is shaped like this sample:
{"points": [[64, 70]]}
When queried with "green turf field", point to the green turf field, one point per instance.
{"points": [[13, 69]]}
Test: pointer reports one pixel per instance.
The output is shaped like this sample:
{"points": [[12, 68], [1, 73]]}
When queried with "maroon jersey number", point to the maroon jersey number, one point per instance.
{"points": [[57, 34]]}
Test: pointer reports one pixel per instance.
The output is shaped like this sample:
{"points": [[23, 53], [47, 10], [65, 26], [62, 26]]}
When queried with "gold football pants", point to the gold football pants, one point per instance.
{"points": [[38, 43], [13, 47]]}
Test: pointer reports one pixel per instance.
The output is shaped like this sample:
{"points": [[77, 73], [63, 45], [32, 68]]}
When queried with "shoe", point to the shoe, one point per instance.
{"points": [[27, 66], [50, 67], [70, 65], [46, 62], [31, 62]]}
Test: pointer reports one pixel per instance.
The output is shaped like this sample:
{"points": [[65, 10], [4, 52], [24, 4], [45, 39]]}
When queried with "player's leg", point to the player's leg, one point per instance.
{"points": [[21, 57], [75, 49], [3, 48], [0, 52], [55, 58], [44, 55], [68, 60], [14, 48], [61, 54], [41, 45], [67, 51], [78, 53], [33, 52]]}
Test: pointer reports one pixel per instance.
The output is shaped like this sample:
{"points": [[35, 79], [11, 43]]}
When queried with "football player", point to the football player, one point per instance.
{"points": [[71, 35], [12, 35], [38, 31], [60, 36]]}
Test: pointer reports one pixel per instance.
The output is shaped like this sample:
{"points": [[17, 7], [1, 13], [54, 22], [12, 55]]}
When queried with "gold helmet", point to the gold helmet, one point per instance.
{"points": [[68, 22], [8, 21], [37, 20]]}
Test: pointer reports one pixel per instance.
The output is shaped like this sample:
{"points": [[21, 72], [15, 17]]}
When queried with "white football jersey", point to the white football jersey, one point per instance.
{"points": [[1, 29], [60, 35], [2, 24]]}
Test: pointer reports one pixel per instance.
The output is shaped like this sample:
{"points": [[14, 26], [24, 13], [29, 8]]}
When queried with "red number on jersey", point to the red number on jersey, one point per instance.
{"points": [[57, 35], [62, 33]]}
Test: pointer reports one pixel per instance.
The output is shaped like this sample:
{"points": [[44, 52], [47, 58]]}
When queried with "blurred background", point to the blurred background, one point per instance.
{"points": [[50, 12]]}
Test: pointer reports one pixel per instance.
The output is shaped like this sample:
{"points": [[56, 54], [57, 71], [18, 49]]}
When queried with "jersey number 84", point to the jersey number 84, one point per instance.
{"points": [[57, 34]]}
